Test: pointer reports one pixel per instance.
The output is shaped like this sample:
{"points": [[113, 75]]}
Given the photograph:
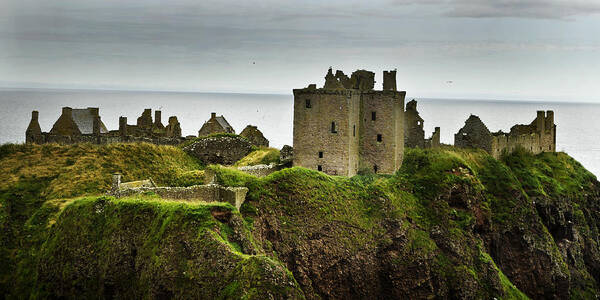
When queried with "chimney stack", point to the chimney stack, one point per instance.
{"points": [[67, 111], [123, 126], [389, 80], [540, 121], [157, 116]]}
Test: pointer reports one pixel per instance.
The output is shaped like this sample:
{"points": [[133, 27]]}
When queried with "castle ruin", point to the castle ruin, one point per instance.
{"points": [[414, 135], [85, 126], [346, 126], [539, 136], [215, 125], [255, 136]]}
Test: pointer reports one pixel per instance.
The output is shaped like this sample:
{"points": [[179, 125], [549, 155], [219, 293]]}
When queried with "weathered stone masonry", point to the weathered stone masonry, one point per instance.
{"points": [[347, 126], [85, 126], [206, 193], [414, 135], [539, 136]]}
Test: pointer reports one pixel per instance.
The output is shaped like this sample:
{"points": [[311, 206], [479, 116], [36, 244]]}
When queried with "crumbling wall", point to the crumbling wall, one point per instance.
{"points": [[474, 135], [173, 129], [414, 135], [66, 130], [363, 80], [255, 136], [144, 121], [434, 141], [332, 82], [113, 137], [65, 125], [225, 150], [207, 193], [260, 170], [537, 137]]}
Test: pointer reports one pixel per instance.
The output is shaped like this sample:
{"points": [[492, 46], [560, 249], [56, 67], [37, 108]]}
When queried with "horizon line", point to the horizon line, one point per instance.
{"points": [[466, 99]]}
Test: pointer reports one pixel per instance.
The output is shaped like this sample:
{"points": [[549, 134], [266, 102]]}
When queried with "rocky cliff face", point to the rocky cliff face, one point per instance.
{"points": [[454, 224]]}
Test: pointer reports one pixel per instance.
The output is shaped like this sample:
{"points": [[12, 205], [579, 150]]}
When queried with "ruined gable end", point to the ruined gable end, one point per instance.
{"points": [[474, 134], [65, 125], [216, 124], [255, 136], [536, 137], [33, 134]]}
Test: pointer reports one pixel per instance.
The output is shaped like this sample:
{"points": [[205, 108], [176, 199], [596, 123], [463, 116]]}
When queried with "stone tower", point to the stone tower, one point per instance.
{"points": [[346, 126]]}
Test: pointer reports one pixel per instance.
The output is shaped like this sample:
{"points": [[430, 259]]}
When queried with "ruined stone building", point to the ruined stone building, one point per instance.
{"points": [[73, 125], [346, 126], [539, 136], [255, 136], [86, 126], [147, 128], [414, 135], [215, 125]]}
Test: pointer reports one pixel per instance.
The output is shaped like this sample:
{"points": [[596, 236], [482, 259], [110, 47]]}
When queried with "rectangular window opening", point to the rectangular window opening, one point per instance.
{"points": [[320, 154], [379, 138], [333, 129], [373, 115], [353, 130], [319, 168], [308, 103]]}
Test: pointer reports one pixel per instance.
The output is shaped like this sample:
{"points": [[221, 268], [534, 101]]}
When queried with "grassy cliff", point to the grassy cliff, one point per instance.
{"points": [[450, 224]]}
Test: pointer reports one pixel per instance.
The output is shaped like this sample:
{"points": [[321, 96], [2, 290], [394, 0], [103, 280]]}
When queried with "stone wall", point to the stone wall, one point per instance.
{"points": [[225, 150], [260, 170], [66, 131], [414, 135], [326, 130], [382, 139], [207, 193], [100, 139], [474, 135], [434, 141], [537, 137]]}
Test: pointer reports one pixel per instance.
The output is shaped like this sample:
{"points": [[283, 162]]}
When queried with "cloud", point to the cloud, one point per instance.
{"points": [[531, 9]]}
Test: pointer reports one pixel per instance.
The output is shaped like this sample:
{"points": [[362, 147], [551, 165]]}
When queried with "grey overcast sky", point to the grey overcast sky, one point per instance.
{"points": [[481, 49]]}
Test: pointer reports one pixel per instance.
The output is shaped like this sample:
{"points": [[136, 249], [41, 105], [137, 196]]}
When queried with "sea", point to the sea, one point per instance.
{"points": [[578, 124]]}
